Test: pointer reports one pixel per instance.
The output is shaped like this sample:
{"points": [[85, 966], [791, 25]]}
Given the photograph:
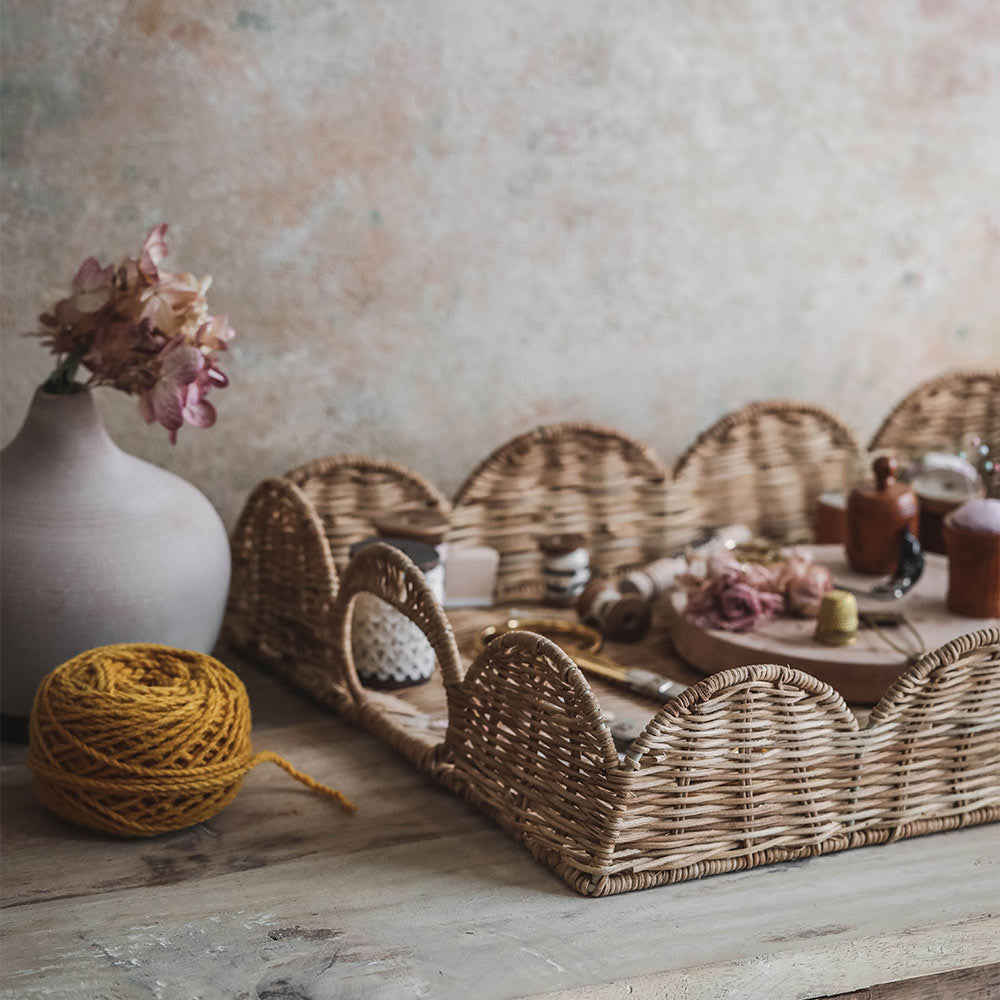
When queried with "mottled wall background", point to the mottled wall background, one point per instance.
{"points": [[437, 224]]}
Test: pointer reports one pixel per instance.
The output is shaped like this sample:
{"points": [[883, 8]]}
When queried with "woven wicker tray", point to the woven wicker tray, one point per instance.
{"points": [[750, 766]]}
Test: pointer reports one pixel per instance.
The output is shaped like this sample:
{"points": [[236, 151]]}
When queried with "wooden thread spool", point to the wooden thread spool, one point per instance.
{"points": [[653, 579], [617, 616]]}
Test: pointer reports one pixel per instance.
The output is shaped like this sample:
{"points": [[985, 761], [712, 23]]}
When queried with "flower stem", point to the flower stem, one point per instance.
{"points": [[62, 382]]}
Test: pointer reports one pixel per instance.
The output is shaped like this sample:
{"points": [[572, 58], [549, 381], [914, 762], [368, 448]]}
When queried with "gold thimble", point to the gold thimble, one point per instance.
{"points": [[837, 624]]}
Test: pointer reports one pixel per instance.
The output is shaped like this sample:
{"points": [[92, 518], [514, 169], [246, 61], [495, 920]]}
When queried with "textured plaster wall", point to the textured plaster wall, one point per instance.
{"points": [[437, 224]]}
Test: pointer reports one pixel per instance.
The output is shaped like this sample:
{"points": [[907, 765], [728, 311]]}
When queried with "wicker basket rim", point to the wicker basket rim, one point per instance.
{"points": [[355, 580], [930, 387], [899, 692], [550, 432], [365, 463], [277, 487], [843, 434], [534, 645], [894, 700]]}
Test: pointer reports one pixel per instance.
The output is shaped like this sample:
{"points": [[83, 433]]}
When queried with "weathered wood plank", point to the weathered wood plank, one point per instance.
{"points": [[967, 984], [273, 819], [283, 895], [435, 917]]}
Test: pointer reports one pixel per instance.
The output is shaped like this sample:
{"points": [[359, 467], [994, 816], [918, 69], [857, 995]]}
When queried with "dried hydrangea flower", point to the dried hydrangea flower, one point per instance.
{"points": [[144, 330]]}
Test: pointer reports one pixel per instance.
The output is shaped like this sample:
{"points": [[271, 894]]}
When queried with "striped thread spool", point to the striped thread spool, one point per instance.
{"points": [[566, 569]]}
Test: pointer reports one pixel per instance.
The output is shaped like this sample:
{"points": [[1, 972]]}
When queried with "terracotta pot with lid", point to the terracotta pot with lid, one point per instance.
{"points": [[972, 538], [877, 515]]}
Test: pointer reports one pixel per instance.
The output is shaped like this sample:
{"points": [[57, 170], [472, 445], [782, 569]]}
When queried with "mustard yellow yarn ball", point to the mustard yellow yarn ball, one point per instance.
{"points": [[137, 740]]}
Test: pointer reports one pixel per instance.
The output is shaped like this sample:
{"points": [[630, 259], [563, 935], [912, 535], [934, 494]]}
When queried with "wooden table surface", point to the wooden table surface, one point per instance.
{"points": [[285, 896]]}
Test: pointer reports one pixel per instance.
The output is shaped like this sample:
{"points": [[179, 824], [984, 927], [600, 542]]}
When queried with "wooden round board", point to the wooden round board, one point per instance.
{"points": [[862, 672]]}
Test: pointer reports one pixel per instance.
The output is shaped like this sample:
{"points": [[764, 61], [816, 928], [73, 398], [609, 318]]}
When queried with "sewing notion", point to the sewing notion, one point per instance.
{"points": [[617, 616], [566, 567], [389, 650], [583, 645]]}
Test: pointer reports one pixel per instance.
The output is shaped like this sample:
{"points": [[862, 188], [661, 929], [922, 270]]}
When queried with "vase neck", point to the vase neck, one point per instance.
{"points": [[63, 428]]}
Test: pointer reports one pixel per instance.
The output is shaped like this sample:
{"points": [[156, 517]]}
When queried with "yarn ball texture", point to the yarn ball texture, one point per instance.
{"points": [[138, 740]]}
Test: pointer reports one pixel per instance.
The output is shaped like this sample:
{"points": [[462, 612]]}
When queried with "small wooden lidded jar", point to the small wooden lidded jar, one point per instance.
{"points": [[972, 538], [877, 515]]}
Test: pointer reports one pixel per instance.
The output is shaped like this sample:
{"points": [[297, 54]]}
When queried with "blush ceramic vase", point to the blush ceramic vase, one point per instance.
{"points": [[98, 547]]}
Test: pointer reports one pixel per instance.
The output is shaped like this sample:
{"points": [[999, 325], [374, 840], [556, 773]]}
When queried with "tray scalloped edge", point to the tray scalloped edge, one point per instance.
{"points": [[748, 767]]}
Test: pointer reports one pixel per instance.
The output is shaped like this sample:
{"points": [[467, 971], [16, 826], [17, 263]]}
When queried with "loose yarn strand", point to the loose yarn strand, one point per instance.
{"points": [[138, 740], [269, 756]]}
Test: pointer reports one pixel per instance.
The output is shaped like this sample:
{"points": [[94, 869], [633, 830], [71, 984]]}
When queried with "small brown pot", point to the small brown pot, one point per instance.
{"points": [[877, 515], [973, 544], [831, 519]]}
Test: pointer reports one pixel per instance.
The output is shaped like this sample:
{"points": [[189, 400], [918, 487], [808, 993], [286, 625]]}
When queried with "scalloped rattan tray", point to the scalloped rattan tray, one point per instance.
{"points": [[752, 765], [749, 766]]}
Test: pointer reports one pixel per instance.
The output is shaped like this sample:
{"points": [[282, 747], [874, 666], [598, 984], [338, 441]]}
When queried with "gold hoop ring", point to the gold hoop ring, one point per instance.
{"points": [[587, 639]]}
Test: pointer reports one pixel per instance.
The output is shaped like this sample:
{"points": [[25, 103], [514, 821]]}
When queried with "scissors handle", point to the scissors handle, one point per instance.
{"points": [[588, 658]]}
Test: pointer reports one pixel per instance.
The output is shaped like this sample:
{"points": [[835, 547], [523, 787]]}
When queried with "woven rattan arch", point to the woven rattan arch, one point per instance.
{"points": [[572, 477], [388, 574], [764, 763], [348, 492], [765, 466], [939, 413], [750, 766], [283, 588], [528, 744]]}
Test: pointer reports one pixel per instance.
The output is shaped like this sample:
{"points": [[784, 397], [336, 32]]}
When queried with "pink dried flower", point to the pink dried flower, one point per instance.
{"points": [[91, 286], [123, 354], [728, 602], [142, 329], [197, 410], [164, 401], [215, 334], [154, 249], [739, 596], [757, 575], [804, 583]]}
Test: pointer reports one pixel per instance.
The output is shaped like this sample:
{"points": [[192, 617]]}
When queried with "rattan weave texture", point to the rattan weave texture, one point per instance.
{"points": [[764, 466], [749, 766], [572, 478], [939, 413], [284, 583], [348, 492]]}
